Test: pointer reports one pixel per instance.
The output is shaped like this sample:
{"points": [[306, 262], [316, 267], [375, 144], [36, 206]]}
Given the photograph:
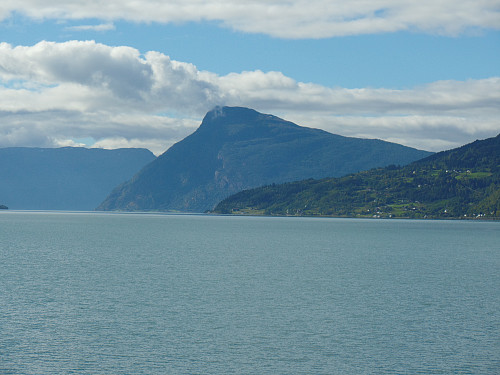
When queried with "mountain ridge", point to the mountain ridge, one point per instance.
{"points": [[236, 148]]}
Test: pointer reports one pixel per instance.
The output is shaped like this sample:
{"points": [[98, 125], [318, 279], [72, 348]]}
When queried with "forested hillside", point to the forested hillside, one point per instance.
{"points": [[463, 182]]}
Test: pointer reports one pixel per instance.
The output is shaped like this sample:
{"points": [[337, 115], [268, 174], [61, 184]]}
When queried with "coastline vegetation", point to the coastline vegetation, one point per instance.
{"points": [[460, 183]]}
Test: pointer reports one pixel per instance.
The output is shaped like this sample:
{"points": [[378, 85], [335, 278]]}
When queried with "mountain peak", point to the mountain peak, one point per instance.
{"points": [[224, 115], [236, 148]]}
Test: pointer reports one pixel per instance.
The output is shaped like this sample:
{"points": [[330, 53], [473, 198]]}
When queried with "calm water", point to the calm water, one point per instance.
{"points": [[88, 293]]}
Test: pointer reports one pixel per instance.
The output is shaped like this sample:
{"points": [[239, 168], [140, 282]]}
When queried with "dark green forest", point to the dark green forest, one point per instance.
{"points": [[459, 183]]}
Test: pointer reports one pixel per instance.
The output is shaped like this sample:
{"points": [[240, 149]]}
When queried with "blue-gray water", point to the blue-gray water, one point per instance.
{"points": [[89, 293]]}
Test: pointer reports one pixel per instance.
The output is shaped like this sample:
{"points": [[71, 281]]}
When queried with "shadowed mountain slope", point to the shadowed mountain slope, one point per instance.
{"points": [[238, 148]]}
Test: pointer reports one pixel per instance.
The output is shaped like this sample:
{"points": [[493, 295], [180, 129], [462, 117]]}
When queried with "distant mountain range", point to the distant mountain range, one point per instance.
{"points": [[68, 178], [459, 183], [238, 148]]}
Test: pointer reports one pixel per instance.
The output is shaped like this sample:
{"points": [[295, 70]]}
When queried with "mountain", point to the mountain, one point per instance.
{"points": [[463, 182], [68, 178], [238, 148]]}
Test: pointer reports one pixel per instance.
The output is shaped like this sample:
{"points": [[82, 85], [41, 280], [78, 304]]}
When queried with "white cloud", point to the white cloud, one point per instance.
{"points": [[100, 27], [282, 18], [56, 93], [156, 146]]}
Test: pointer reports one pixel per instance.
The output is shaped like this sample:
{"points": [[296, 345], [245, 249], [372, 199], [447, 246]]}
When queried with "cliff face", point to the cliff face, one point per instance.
{"points": [[239, 148]]}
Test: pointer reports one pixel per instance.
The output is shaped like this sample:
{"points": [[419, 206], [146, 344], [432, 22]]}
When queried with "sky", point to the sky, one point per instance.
{"points": [[123, 73]]}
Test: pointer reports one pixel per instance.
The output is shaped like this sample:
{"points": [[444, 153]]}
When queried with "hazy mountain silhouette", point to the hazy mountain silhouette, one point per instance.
{"points": [[68, 178]]}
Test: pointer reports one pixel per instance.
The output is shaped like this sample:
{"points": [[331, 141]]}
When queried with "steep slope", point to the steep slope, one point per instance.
{"points": [[463, 182], [69, 178], [237, 148]]}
